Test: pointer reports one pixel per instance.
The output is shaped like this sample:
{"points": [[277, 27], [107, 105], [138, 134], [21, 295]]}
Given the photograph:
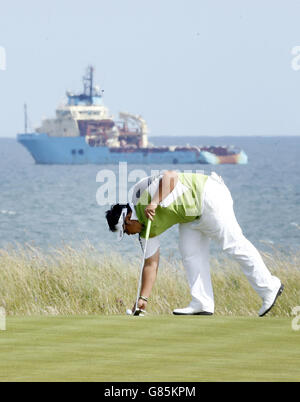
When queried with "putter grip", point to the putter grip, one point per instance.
{"points": [[148, 229]]}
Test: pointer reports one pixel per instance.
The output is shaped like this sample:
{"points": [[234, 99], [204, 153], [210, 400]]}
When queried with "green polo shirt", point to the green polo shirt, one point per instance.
{"points": [[185, 208]]}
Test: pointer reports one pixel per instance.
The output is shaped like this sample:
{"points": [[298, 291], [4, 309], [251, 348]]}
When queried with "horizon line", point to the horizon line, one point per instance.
{"points": [[196, 136]]}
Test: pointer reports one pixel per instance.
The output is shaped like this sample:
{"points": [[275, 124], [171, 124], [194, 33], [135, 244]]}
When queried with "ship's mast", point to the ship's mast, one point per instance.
{"points": [[88, 82], [91, 82]]}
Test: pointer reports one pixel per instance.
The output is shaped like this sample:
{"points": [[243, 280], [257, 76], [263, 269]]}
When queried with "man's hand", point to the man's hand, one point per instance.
{"points": [[142, 305], [150, 210]]}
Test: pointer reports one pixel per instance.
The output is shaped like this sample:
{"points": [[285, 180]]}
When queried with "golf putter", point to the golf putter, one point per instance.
{"points": [[138, 311]]}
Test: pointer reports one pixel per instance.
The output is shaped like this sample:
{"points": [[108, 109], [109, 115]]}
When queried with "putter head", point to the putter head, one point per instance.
{"points": [[139, 312]]}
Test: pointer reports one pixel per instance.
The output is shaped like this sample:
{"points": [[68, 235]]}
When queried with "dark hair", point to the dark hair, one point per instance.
{"points": [[113, 215]]}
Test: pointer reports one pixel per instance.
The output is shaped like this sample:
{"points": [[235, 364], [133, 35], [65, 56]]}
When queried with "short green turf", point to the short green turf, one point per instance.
{"points": [[151, 348]]}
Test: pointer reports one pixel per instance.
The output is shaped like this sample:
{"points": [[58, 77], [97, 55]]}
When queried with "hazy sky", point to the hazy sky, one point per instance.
{"points": [[189, 67]]}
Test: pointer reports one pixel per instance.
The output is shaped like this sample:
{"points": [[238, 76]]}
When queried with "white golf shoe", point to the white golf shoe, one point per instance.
{"points": [[191, 310], [269, 300]]}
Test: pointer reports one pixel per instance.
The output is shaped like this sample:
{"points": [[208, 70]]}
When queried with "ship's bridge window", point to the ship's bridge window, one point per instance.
{"points": [[81, 152], [89, 112], [63, 113]]}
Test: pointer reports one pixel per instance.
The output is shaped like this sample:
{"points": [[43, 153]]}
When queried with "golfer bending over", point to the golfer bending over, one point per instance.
{"points": [[203, 208]]}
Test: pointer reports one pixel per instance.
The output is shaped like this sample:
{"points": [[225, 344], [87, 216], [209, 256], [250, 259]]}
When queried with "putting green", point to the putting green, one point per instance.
{"points": [[152, 348]]}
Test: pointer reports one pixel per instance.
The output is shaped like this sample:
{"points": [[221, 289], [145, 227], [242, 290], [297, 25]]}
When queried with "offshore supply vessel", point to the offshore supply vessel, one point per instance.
{"points": [[84, 131]]}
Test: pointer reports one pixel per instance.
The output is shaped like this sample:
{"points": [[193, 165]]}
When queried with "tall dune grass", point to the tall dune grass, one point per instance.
{"points": [[70, 281]]}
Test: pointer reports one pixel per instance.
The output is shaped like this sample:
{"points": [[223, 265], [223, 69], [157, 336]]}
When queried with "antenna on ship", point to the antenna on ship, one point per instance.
{"points": [[88, 82], [91, 81]]}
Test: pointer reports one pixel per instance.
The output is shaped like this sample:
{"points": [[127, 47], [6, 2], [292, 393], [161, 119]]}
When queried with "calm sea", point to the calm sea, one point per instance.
{"points": [[48, 206]]}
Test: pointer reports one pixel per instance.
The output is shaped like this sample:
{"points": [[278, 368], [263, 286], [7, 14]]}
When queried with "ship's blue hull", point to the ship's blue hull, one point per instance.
{"points": [[75, 151]]}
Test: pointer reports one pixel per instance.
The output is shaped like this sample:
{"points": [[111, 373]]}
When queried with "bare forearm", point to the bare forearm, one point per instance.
{"points": [[149, 277], [166, 186]]}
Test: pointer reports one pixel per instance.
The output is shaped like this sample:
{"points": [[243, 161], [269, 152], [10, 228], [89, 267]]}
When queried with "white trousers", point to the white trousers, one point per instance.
{"points": [[218, 222]]}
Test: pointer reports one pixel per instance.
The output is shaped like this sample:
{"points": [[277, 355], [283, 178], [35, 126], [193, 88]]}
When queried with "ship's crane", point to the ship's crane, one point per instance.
{"points": [[128, 117]]}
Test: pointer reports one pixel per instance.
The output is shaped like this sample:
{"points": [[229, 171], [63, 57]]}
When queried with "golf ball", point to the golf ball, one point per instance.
{"points": [[128, 311]]}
